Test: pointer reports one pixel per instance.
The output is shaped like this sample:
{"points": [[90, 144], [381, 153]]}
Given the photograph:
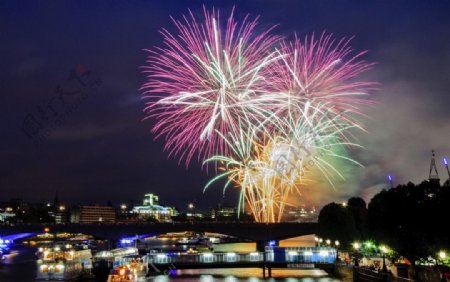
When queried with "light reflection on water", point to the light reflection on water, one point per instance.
{"points": [[247, 275]]}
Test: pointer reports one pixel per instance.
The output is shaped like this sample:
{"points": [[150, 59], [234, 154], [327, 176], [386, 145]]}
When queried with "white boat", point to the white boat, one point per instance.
{"points": [[63, 264]]}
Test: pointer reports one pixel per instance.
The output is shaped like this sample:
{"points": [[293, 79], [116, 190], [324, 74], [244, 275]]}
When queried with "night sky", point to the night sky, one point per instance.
{"points": [[102, 150]]}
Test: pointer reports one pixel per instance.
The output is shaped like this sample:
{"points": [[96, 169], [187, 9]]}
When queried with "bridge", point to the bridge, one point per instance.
{"points": [[273, 257], [250, 231]]}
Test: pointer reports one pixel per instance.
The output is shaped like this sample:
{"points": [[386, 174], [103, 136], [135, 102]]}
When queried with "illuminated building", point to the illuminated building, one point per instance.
{"points": [[6, 214], [93, 214], [152, 210], [224, 212], [151, 199], [301, 214], [61, 214]]}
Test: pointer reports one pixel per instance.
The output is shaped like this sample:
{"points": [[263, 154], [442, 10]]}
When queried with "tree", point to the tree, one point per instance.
{"points": [[337, 223], [405, 218], [358, 208]]}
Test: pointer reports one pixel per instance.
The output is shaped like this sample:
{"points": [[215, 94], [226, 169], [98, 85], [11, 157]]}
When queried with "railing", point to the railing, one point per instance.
{"points": [[272, 255], [363, 274]]}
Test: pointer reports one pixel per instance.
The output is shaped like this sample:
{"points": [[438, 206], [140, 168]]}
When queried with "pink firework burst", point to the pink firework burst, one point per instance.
{"points": [[206, 82], [316, 72]]}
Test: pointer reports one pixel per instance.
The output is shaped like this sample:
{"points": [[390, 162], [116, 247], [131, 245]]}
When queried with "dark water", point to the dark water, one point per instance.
{"points": [[20, 266]]}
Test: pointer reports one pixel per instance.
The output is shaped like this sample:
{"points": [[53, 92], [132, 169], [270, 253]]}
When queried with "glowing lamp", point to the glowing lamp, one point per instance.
{"points": [[442, 255], [445, 161]]}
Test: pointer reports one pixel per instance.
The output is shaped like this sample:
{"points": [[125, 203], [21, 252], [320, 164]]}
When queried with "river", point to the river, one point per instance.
{"points": [[20, 266]]}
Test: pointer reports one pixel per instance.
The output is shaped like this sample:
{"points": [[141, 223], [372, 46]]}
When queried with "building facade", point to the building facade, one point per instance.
{"points": [[93, 214], [152, 210]]}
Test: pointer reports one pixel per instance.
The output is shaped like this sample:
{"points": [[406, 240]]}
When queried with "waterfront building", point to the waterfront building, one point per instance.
{"points": [[151, 210], [301, 214], [61, 214], [93, 214], [223, 212], [5, 214]]}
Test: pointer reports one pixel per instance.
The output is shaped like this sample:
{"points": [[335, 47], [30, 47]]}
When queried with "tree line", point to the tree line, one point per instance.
{"points": [[411, 219]]}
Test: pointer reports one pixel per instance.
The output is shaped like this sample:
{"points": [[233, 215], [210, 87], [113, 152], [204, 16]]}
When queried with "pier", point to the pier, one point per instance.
{"points": [[273, 257]]}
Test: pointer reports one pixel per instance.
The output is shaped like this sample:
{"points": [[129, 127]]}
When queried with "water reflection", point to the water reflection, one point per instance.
{"points": [[246, 275]]}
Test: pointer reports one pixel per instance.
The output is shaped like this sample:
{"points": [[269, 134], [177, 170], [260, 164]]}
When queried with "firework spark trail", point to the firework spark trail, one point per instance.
{"points": [[206, 80], [257, 112], [269, 169], [320, 71]]}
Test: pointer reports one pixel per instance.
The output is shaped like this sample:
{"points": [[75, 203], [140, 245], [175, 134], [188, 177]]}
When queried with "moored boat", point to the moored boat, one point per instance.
{"points": [[133, 269], [105, 261], [64, 264]]}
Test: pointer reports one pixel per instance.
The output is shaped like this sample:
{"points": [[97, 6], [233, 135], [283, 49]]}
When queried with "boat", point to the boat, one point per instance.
{"points": [[63, 263], [133, 269], [104, 261]]}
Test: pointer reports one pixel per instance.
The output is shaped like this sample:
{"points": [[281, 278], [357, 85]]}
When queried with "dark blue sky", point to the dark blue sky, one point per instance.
{"points": [[102, 151]]}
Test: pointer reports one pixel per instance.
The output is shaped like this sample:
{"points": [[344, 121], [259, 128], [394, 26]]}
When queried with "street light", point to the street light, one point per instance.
{"points": [[356, 246], [384, 251], [442, 256], [336, 243], [328, 241]]}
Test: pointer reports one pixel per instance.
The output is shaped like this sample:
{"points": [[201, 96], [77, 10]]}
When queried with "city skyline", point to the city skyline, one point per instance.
{"points": [[103, 148]]}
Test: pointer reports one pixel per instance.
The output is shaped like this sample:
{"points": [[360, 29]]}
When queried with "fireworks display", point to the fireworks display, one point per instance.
{"points": [[206, 79], [263, 111]]}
